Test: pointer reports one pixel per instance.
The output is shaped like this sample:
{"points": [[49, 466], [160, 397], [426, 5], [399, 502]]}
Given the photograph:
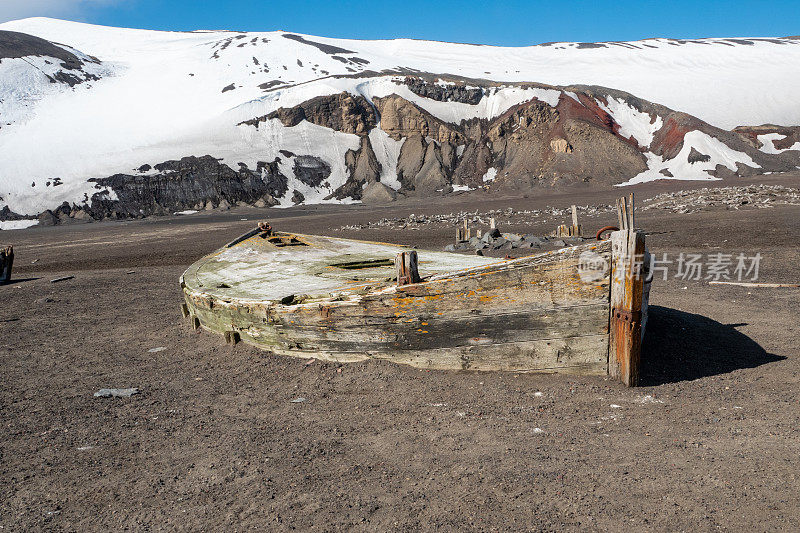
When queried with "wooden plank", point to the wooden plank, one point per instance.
{"points": [[631, 211], [411, 332], [575, 355], [627, 291], [753, 284], [6, 262]]}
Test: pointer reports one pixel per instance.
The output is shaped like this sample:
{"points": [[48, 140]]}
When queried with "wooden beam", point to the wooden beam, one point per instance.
{"points": [[752, 284], [405, 264], [632, 222], [627, 291], [6, 261], [575, 216]]}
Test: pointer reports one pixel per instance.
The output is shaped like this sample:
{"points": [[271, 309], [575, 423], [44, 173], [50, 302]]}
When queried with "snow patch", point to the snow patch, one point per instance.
{"points": [[768, 145], [680, 168], [490, 175], [387, 152], [632, 122], [17, 224]]}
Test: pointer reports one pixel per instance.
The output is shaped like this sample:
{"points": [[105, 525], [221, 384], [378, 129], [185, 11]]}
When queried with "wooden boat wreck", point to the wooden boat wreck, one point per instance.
{"points": [[579, 310]]}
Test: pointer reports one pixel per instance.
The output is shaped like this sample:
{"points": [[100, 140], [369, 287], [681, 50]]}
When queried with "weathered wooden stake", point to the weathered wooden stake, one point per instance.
{"points": [[627, 290], [405, 264], [632, 220], [6, 261], [492, 223], [574, 216]]}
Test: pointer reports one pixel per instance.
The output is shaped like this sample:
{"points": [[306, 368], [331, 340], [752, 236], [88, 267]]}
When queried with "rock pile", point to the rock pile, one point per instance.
{"points": [[736, 197], [495, 240], [504, 217]]}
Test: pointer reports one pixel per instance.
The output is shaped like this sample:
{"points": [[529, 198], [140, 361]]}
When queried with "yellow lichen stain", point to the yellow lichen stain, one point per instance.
{"points": [[424, 323], [423, 330]]}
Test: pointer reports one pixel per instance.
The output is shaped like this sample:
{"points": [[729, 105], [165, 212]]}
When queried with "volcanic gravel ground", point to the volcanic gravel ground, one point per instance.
{"points": [[215, 441]]}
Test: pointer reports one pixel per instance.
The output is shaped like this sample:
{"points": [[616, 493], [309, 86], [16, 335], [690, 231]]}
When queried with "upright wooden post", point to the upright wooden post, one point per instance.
{"points": [[6, 261], [631, 225], [627, 291], [405, 264]]}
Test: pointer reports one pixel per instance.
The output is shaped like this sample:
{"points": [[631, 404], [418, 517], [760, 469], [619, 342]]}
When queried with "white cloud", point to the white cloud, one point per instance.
{"points": [[17, 9]]}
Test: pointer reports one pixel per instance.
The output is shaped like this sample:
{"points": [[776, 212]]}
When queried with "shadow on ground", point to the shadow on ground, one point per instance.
{"points": [[680, 346]]}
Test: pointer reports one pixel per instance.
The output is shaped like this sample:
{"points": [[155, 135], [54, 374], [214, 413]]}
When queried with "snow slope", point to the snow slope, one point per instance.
{"points": [[166, 95], [726, 82]]}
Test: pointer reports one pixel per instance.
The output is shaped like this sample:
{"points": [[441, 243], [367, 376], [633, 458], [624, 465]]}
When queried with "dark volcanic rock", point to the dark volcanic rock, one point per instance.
{"points": [[185, 183], [697, 157], [48, 218], [311, 170], [15, 45], [327, 48], [364, 168], [341, 112], [444, 93]]}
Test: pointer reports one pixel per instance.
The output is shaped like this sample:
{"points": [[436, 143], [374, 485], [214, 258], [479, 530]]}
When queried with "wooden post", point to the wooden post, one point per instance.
{"points": [[6, 261], [405, 264], [492, 223], [632, 220], [627, 291], [575, 219]]}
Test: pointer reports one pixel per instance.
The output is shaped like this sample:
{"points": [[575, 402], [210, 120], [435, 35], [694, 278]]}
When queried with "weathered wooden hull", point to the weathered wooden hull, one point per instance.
{"points": [[535, 313]]}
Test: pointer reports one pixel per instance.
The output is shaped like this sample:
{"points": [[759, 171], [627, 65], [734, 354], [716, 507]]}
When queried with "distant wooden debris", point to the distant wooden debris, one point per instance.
{"points": [[753, 284], [464, 232], [575, 230], [6, 261]]}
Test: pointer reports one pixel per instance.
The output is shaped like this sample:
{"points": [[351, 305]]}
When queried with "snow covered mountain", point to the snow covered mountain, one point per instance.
{"points": [[98, 121]]}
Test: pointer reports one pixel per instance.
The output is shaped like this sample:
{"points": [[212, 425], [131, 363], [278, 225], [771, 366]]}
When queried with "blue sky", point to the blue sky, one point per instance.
{"points": [[511, 23]]}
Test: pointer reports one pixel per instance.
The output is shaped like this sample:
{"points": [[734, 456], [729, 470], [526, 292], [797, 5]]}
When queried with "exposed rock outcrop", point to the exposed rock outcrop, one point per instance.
{"points": [[311, 170], [188, 183], [448, 92], [341, 112], [364, 169], [19, 45]]}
